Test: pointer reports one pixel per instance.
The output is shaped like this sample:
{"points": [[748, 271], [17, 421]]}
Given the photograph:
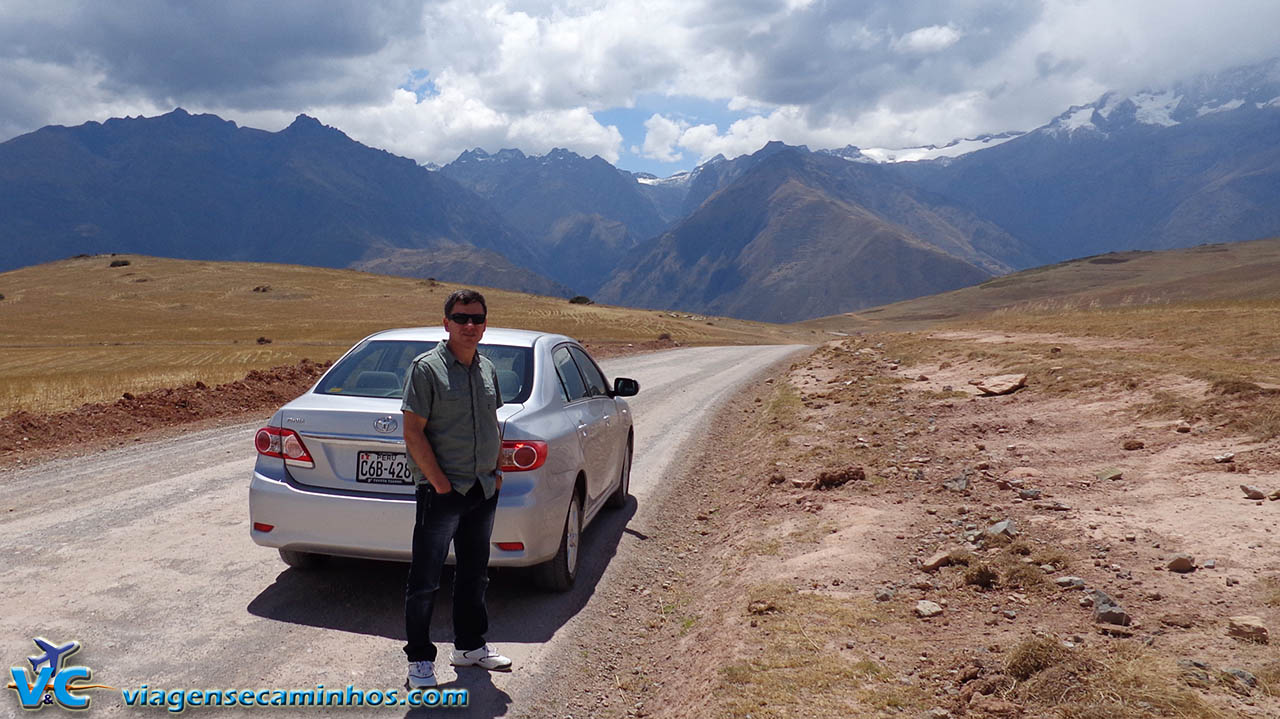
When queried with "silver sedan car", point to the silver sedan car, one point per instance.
{"points": [[332, 476]]}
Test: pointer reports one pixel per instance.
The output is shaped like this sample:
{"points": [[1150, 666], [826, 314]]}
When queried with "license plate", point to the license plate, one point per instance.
{"points": [[383, 468]]}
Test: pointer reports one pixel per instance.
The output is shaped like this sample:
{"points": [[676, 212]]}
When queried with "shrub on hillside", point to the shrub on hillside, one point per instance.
{"points": [[1022, 576], [981, 575], [840, 477], [1034, 655], [580, 300], [1235, 386], [119, 263]]}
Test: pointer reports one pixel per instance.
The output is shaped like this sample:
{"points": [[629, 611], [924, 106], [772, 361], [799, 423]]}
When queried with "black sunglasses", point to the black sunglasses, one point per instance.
{"points": [[462, 318]]}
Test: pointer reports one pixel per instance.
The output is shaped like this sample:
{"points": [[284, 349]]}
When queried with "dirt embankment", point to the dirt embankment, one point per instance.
{"points": [[25, 436]]}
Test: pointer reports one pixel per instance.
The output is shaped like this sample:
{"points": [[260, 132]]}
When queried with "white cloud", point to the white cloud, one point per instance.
{"points": [[530, 73], [37, 93], [440, 127], [927, 39], [749, 134], [706, 141], [660, 138], [596, 57]]}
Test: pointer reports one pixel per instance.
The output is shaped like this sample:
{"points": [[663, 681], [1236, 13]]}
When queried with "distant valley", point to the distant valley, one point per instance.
{"points": [[782, 234]]}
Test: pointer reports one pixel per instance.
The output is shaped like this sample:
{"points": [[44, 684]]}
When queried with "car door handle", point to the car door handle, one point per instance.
{"points": [[608, 420], [582, 427]]}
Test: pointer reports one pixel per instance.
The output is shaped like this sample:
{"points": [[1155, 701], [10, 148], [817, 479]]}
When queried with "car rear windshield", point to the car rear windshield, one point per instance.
{"points": [[376, 368]]}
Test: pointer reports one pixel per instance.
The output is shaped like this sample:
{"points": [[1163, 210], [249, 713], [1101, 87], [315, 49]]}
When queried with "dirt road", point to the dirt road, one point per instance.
{"points": [[143, 555]]}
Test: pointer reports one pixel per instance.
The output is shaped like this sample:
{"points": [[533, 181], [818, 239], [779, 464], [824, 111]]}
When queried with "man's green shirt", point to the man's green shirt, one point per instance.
{"points": [[460, 405]]}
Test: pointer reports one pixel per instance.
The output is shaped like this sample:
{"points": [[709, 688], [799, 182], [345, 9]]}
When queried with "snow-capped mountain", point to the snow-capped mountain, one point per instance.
{"points": [[670, 195], [1254, 87], [955, 148], [852, 153], [679, 179], [1250, 87], [1195, 162]]}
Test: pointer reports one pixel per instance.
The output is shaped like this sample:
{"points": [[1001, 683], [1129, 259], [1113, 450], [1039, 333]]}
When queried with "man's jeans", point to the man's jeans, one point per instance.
{"points": [[468, 521]]}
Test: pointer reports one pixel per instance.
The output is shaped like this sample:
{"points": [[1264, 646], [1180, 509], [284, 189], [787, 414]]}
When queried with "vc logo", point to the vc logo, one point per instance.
{"points": [[52, 680]]}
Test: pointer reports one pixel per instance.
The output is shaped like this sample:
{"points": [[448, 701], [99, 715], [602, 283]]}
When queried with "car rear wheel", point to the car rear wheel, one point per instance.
{"points": [[301, 560], [558, 573], [618, 499]]}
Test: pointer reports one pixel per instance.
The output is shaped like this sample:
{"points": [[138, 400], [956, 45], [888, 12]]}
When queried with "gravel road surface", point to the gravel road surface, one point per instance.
{"points": [[142, 554]]}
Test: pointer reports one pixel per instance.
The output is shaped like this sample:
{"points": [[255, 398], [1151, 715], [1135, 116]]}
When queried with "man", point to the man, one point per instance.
{"points": [[451, 431]]}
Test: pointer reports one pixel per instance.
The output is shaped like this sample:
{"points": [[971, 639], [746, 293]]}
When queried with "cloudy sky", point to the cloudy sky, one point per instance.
{"points": [[652, 85]]}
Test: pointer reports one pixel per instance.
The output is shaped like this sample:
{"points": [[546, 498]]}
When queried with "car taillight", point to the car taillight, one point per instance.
{"points": [[283, 443], [522, 455]]}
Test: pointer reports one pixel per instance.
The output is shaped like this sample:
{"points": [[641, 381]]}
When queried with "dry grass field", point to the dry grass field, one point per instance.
{"points": [[1212, 361], [80, 330]]}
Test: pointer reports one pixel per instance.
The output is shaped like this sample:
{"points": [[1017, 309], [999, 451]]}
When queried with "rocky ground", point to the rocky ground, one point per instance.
{"points": [[869, 534]]}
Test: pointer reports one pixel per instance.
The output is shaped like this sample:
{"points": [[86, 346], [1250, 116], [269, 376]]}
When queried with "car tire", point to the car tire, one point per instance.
{"points": [[618, 499], [301, 560], [558, 573]]}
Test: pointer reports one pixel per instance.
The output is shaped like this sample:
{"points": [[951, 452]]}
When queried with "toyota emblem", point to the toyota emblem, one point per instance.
{"points": [[385, 425]]}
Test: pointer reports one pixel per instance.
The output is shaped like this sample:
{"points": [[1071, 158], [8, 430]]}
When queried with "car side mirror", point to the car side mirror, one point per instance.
{"points": [[625, 387]]}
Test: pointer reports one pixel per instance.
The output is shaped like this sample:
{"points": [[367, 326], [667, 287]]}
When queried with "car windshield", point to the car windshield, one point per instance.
{"points": [[376, 368]]}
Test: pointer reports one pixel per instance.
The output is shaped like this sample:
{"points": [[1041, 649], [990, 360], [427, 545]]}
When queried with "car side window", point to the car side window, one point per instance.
{"points": [[570, 379], [596, 384]]}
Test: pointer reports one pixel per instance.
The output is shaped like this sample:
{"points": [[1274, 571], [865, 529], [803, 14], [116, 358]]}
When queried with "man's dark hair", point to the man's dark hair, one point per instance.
{"points": [[465, 297]]}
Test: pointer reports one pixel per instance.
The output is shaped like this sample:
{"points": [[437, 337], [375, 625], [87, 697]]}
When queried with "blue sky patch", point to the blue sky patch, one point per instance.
{"points": [[684, 109]]}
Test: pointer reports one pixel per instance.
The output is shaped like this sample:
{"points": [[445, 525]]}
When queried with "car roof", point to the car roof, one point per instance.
{"points": [[492, 335]]}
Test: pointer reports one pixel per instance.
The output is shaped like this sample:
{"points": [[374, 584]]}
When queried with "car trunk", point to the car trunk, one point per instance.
{"points": [[357, 443]]}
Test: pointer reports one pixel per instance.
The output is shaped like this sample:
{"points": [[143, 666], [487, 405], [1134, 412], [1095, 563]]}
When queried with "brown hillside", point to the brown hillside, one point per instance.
{"points": [[79, 330], [782, 243], [1243, 271]]}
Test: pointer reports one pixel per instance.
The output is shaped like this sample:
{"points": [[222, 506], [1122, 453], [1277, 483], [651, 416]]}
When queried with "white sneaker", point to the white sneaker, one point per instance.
{"points": [[421, 675], [486, 657]]}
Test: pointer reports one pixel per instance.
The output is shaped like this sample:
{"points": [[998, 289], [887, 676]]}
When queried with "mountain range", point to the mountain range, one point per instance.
{"points": [[781, 234], [199, 187], [793, 234], [1198, 162], [583, 212]]}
